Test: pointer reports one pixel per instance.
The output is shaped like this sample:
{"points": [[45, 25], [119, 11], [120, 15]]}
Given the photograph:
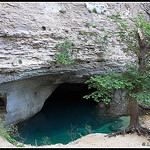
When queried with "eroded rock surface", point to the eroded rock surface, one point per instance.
{"points": [[29, 33]]}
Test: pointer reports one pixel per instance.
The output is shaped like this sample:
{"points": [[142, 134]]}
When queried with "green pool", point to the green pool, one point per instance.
{"points": [[65, 117]]}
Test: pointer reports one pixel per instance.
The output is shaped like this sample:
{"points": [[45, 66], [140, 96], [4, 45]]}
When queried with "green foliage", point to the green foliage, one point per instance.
{"points": [[85, 131], [46, 141], [128, 33], [20, 61], [66, 49], [135, 83], [94, 10], [106, 84], [99, 40], [62, 11], [102, 42], [94, 26], [20, 145], [64, 58], [85, 40], [88, 129], [92, 33], [89, 11], [6, 131], [82, 33], [88, 25], [79, 134]]}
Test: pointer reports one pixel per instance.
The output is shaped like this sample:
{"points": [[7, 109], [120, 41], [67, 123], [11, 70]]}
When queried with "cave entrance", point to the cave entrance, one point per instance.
{"points": [[2, 107], [65, 117]]}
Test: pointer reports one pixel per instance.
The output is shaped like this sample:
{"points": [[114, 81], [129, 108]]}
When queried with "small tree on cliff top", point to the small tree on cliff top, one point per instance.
{"points": [[135, 80]]}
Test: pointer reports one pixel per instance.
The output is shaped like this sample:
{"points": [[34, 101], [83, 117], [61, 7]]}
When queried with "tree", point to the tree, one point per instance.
{"points": [[134, 34]]}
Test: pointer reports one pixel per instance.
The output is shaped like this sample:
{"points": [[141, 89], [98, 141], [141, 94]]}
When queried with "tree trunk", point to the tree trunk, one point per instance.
{"points": [[142, 52], [133, 104], [134, 115]]}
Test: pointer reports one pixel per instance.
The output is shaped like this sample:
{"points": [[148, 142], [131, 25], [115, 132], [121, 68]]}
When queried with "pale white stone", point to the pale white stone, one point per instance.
{"points": [[22, 37]]}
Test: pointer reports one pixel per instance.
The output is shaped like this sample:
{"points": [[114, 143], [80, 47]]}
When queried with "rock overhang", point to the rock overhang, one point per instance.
{"points": [[26, 49]]}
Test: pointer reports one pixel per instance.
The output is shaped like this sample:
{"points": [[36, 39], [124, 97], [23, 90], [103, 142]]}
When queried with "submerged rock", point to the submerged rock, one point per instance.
{"points": [[120, 124]]}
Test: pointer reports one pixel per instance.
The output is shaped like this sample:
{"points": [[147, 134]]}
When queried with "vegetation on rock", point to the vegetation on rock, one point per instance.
{"points": [[66, 49], [8, 131], [135, 80], [62, 11]]}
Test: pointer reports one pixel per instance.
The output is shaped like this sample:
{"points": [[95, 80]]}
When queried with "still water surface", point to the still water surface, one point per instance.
{"points": [[65, 117]]}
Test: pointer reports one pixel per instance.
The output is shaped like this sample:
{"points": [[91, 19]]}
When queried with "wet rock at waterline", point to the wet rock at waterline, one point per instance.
{"points": [[29, 33]]}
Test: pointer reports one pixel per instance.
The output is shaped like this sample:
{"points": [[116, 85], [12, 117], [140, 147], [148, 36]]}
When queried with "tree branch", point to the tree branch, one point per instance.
{"points": [[148, 47]]}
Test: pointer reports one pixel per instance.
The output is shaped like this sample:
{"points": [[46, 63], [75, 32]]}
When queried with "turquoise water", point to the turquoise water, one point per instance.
{"points": [[65, 117]]}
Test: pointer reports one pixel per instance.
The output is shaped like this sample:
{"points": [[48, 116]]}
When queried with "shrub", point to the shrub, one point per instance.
{"points": [[8, 131], [94, 10], [62, 11], [66, 50], [20, 61], [5, 132]]}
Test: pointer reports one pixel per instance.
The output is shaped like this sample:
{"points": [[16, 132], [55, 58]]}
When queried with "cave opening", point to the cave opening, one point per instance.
{"points": [[65, 117]]}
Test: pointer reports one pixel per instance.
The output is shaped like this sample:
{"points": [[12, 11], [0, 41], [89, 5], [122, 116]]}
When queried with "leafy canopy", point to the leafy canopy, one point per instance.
{"points": [[106, 83], [128, 33], [136, 84]]}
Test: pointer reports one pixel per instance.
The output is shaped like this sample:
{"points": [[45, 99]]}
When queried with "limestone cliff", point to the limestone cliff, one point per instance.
{"points": [[29, 33]]}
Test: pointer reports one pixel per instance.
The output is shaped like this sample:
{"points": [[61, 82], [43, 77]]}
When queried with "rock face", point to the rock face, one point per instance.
{"points": [[29, 33]]}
